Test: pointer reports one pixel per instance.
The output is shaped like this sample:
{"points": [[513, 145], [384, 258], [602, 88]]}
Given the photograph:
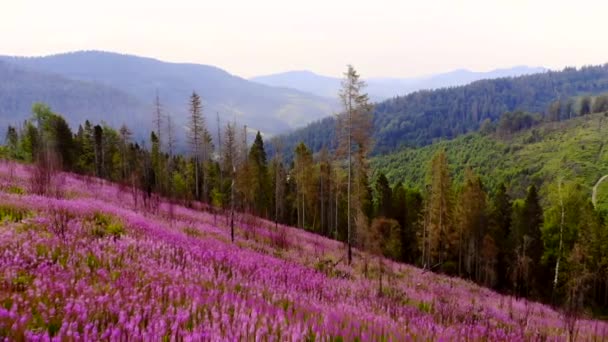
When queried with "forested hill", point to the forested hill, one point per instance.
{"points": [[20, 88], [572, 150], [422, 117]]}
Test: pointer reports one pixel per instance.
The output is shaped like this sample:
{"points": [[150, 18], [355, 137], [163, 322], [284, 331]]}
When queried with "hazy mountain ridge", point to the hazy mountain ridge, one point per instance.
{"points": [[381, 88], [21, 87], [269, 109]]}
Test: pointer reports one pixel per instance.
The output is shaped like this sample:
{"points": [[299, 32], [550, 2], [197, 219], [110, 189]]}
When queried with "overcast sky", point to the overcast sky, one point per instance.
{"points": [[380, 38]]}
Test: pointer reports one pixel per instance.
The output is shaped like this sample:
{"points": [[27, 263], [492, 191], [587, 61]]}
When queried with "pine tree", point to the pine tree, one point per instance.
{"points": [[303, 163], [159, 163], [471, 225], [527, 240], [155, 158], [12, 141], [278, 180], [384, 194], [125, 140], [259, 182], [354, 138], [196, 128], [440, 215], [502, 210], [229, 158], [325, 171], [98, 148]]}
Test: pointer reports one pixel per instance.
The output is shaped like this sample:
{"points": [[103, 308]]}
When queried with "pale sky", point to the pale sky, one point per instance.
{"points": [[381, 38]]}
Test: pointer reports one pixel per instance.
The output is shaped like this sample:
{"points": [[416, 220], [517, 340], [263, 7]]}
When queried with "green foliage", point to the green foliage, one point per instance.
{"points": [[425, 307], [387, 237], [192, 232], [105, 225], [10, 213], [22, 281], [92, 262], [574, 149], [516, 121], [15, 190], [259, 181]]}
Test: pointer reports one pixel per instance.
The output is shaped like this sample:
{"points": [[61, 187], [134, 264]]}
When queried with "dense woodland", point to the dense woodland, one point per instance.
{"points": [[553, 249], [519, 151], [426, 116]]}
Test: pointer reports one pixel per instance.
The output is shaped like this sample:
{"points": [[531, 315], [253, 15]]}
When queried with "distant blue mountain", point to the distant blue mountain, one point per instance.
{"points": [[269, 109], [384, 88]]}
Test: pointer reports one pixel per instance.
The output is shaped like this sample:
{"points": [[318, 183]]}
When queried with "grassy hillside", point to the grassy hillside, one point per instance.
{"points": [[574, 149], [95, 263]]}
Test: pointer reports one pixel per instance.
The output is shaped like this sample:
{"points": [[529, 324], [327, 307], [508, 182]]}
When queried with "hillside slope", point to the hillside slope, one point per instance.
{"points": [[99, 264], [574, 150], [269, 109]]}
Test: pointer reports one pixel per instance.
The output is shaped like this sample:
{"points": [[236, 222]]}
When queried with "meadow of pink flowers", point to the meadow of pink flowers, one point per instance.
{"points": [[96, 264]]}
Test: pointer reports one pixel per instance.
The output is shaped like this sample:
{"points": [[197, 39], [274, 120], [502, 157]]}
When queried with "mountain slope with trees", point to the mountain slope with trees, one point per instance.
{"points": [[20, 88], [423, 117], [572, 150]]}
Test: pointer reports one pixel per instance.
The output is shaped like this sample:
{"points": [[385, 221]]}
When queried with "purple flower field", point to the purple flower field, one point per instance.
{"points": [[95, 264]]}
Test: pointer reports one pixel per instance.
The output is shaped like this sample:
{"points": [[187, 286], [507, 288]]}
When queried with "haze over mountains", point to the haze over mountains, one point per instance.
{"points": [[384, 88], [121, 88]]}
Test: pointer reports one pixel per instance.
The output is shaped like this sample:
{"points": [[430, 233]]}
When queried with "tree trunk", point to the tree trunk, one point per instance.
{"points": [[561, 236], [348, 233], [232, 209]]}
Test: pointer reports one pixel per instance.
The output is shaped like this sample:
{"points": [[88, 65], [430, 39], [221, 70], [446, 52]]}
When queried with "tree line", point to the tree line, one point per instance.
{"points": [[557, 253]]}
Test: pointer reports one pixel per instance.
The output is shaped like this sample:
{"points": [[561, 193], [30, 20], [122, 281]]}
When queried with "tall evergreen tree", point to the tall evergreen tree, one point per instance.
{"points": [[384, 197], [196, 132], [502, 209], [528, 244], [303, 170], [471, 225], [440, 222], [229, 160], [259, 182], [354, 137], [98, 148]]}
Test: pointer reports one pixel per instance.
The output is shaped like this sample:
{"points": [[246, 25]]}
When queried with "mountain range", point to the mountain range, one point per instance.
{"points": [[119, 88], [384, 88], [122, 88]]}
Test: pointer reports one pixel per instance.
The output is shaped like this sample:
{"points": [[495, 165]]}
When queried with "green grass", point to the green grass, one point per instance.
{"points": [[10, 213], [576, 149], [106, 225]]}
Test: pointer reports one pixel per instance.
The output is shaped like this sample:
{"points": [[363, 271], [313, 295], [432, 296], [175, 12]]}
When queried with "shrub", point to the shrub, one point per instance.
{"points": [[22, 281], [10, 213], [15, 190], [61, 218], [449, 268], [106, 225], [192, 232]]}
